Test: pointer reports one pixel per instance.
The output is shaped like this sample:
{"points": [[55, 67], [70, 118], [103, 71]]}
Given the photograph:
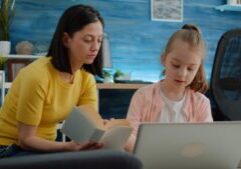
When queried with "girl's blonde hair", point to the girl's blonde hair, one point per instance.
{"points": [[191, 35]]}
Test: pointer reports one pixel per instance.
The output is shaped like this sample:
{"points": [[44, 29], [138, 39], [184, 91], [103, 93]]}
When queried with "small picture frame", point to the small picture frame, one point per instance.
{"points": [[14, 65], [167, 10]]}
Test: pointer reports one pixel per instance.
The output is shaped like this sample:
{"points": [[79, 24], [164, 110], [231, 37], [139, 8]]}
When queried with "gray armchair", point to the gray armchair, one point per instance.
{"points": [[96, 159]]}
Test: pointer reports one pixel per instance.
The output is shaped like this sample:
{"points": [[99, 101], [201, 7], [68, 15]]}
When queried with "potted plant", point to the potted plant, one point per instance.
{"points": [[6, 17], [107, 76], [3, 60], [118, 74]]}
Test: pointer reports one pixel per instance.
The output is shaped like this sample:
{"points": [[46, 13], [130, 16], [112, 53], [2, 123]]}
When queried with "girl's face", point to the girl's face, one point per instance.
{"points": [[84, 46], [182, 64]]}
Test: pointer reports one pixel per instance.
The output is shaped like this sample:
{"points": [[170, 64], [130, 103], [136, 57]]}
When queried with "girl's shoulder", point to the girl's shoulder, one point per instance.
{"points": [[148, 89], [196, 96]]}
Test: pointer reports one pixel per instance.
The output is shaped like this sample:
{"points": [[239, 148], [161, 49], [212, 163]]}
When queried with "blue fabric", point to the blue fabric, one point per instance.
{"points": [[14, 151], [95, 159]]}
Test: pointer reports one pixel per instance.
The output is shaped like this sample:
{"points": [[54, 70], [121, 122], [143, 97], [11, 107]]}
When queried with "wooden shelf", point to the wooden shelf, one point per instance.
{"points": [[21, 56], [229, 8], [119, 85], [7, 85]]}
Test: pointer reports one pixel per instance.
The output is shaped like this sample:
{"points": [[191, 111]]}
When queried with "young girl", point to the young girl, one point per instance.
{"points": [[178, 97], [44, 92]]}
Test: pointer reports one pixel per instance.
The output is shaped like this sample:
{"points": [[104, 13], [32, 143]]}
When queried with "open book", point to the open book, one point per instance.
{"points": [[85, 124]]}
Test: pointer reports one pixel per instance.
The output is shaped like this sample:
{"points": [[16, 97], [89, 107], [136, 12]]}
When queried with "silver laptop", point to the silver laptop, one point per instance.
{"points": [[189, 145]]}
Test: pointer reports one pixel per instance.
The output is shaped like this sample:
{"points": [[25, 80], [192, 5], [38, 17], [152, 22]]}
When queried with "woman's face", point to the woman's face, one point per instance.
{"points": [[84, 46]]}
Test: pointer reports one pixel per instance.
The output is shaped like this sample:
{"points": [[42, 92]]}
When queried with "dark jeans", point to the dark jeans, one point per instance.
{"points": [[14, 151]]}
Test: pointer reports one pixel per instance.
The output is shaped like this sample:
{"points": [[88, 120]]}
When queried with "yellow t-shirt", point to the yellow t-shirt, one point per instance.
{"points": [[40, 97]]}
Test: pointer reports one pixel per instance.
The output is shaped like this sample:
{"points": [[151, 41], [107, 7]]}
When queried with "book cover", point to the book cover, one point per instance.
{"points": [[85, 124]]}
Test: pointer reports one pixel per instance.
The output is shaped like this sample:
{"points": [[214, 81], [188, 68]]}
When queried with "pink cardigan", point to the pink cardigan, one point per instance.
{"points": [[146, 106]]}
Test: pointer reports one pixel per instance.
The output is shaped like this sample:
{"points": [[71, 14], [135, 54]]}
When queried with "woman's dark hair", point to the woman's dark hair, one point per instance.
{"points": [[74, 19]]}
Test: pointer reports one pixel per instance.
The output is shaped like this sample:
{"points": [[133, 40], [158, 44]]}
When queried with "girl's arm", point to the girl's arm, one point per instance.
{"points": [[203, 110], [29, 141], [134, 117]]}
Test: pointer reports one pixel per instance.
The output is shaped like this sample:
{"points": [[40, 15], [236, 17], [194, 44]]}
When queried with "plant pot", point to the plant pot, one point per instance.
{"points": [[5, 47], [108, 80]]}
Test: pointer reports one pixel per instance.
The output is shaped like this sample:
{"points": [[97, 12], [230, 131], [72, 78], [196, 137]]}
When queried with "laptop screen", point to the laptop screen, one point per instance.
{"points": [[189, 145]]}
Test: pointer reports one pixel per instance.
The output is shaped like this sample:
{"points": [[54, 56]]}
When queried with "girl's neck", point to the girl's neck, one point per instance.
{"points": [[172, 92]]}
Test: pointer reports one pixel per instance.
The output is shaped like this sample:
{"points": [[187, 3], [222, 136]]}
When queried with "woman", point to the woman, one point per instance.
{"points": [[44, 92]]}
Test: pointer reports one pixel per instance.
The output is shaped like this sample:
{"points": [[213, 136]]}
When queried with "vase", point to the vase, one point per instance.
{"points": [[232, 2], [5, 47]]}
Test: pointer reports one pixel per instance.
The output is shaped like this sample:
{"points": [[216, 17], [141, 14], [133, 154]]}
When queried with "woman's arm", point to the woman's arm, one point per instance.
{"points": [[89, 94], [29, 141]]}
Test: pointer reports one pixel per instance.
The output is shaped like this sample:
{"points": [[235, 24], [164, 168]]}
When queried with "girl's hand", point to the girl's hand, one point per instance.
{"points": [[105, 121], [76, 146]]}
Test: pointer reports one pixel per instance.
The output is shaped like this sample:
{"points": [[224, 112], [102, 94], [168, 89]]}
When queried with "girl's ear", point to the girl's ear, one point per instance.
{"points": [[65, 39]]}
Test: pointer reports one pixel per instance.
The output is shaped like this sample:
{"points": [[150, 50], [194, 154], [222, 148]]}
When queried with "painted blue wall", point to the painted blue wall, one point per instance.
{"points": [[136, 41]]}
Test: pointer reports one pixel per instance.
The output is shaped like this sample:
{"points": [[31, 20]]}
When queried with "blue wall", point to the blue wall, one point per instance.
{"points": [[136, 41]]}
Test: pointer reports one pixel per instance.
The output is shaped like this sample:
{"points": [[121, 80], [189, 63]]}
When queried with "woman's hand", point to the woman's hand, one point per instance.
{"points": [[76, 146], [29, 141]]}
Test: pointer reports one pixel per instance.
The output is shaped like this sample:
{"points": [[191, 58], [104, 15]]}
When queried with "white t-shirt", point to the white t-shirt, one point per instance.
{"points": [[172, 111]]}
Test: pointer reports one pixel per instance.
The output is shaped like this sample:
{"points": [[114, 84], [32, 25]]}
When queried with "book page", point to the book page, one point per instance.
{"points": [[116, 137], [89, 112], [85, 124], [80, 127]]}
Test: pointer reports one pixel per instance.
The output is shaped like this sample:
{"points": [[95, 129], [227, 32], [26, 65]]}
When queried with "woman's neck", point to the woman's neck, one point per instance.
{"points": [[67, 77], [172, 92], [75, 64]]}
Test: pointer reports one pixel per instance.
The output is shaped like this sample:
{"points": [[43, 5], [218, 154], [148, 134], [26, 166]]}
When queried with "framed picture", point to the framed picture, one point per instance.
{"points": [[167, 10], [14, 65]]}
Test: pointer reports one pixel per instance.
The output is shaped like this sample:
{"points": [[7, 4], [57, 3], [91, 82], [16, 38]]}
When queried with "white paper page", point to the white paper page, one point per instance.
{"points": [[78, 127], [116, 137]]}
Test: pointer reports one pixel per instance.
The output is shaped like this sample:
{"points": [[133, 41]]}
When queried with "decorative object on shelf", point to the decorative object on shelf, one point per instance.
{"points": [[107, 77], [24, 48], [118, 73], [234, 2], [41, 48], [6, 17], [120, 76], [232, 5], [166, 10], [5, 47]]}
